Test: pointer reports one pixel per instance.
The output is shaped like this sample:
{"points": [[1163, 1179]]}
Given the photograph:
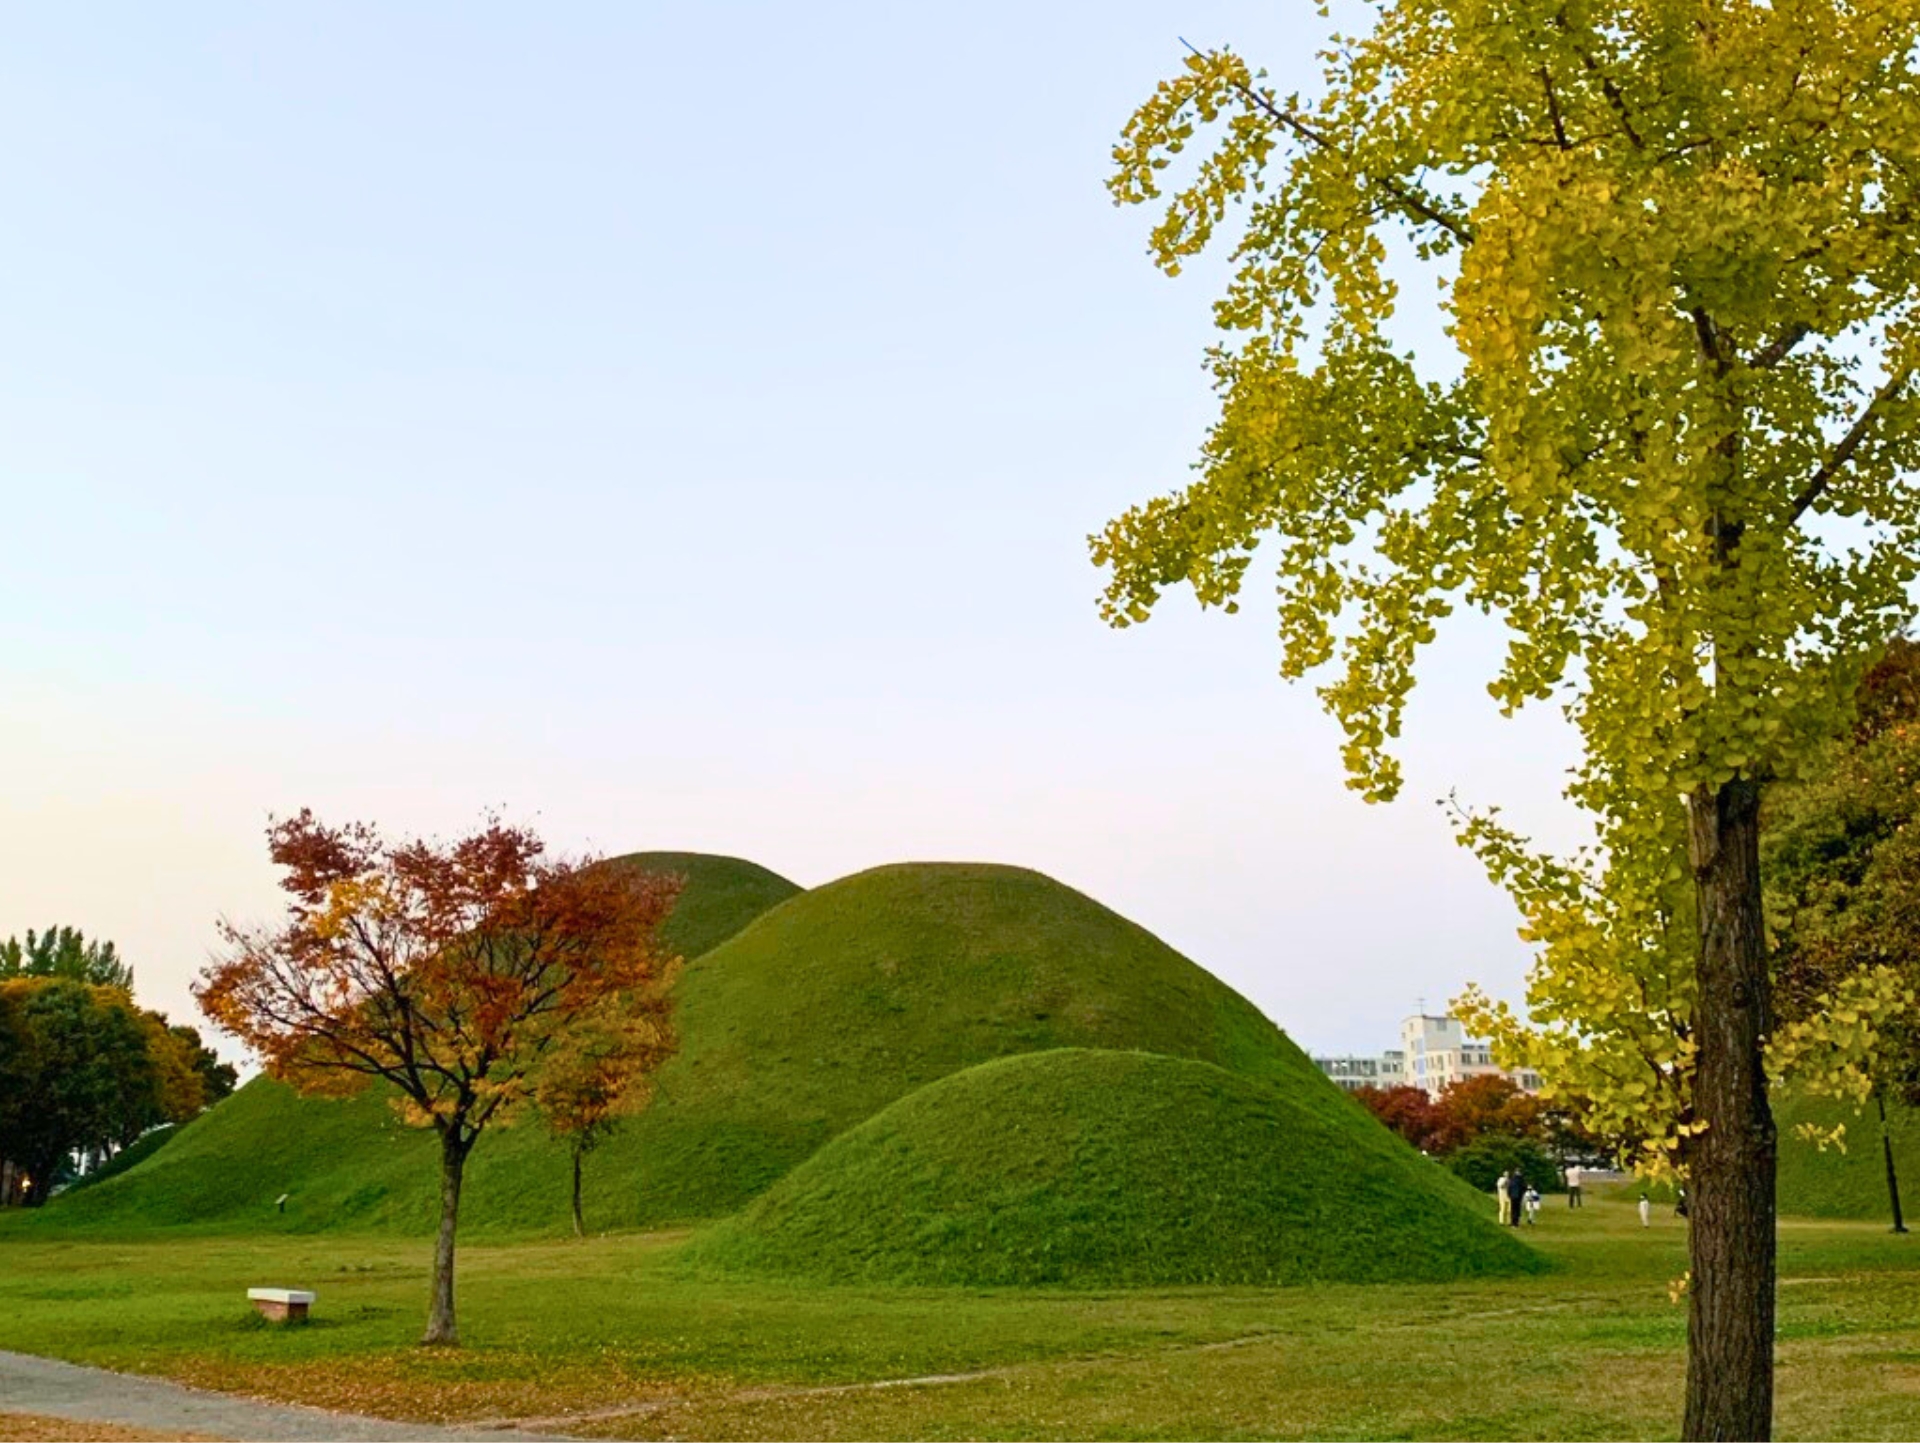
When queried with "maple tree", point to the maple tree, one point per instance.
{"points": [[1404, 1109], [605, 1073], [1471, 1108], [451, 971], [1670, 241]]}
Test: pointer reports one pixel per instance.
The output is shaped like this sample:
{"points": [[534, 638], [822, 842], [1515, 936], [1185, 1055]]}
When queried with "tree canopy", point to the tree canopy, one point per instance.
{"points": [[456, 972], [1669, 447], [1842, 852], [64, 952], [84, 1070]]}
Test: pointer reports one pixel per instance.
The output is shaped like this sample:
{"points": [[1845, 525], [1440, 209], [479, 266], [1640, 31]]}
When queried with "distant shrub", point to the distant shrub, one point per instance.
{"points": [[1482, 1161]]}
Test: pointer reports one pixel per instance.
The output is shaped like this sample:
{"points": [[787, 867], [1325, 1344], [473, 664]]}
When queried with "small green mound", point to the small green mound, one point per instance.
{"points": [[1116, 1169], [1850, 1183], [721, 896]]}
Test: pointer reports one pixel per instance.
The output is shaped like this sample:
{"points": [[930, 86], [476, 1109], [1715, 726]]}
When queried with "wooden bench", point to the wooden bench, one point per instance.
{"points": [[280, 1305]]}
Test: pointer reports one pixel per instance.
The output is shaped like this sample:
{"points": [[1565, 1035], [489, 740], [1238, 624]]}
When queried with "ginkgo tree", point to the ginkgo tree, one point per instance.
{"points": [[1671, 243]]}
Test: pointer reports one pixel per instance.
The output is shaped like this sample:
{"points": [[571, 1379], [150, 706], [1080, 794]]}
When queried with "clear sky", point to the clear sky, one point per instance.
{"points": [[679, 426]]}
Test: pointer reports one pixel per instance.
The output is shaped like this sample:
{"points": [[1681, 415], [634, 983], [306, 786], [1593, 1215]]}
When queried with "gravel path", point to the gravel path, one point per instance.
{"points": [[93, 1395]]}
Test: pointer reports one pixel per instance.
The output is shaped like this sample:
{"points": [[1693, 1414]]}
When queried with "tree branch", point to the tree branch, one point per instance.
{"points": [[1777, 350], [1408, 199], [1553, 109], [1843, 452]]}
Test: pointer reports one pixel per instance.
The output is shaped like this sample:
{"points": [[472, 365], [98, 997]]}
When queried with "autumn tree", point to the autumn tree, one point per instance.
{"points": [[1841, 855], [1403, 1109], [450, 971], [1671, 246], [605, 1073], [1470, 1108]]}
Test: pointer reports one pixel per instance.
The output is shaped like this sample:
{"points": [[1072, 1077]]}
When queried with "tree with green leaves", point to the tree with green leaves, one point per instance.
{"points": [[64, 952], [1671, 246], [78, 1074], [1840, 850]]}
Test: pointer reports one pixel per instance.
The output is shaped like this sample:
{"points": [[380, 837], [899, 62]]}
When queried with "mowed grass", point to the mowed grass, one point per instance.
{"points": [[1092, 1167], [619, 1337]]}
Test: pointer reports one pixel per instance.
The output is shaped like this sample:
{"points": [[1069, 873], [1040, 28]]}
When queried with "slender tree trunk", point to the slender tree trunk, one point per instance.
{"points": [[1731, 1165], [580, 1227], [1886, 1149], [441, 1328]]}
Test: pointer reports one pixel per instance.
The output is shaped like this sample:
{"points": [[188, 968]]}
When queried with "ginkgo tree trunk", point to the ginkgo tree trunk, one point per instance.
{"points": [[1668, 446]]}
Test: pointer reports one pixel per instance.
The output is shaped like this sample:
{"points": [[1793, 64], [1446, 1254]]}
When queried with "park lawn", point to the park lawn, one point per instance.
{"points": [[622, 1328]]}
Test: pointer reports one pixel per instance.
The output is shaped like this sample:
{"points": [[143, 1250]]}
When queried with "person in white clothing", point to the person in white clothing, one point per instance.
{"points": [[1533, 1205], [1500, 1196], [1573, 1185], [1646, 1212]]}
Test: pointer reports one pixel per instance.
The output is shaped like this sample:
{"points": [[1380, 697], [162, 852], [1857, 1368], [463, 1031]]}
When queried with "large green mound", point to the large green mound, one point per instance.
{"points": [[722, 895], [857, 993], [812, 1018], [1853, 1183], [1114, 1169]]}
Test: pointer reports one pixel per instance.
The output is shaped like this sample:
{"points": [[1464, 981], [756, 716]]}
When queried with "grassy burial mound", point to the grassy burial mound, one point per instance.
{"points": [[722, 895], [352, 1162], [855, 994], [816, 1015], [1116, 1169], [1853, 1183]]}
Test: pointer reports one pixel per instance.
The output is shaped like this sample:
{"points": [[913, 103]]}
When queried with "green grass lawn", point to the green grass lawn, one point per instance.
{"points": [[623, 1327]]}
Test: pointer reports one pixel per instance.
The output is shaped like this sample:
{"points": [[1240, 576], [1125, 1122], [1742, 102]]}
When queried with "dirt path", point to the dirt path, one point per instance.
{"points": [[30, 1385]]}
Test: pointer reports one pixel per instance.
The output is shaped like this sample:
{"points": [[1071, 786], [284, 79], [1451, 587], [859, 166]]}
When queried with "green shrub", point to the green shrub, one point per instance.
{"points": [[1481, 1162]]}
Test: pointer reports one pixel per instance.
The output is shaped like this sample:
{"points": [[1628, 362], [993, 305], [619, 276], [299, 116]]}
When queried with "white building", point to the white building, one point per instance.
{"points": [[1433, 1052], [1439, 1052], [1387, 1069]]}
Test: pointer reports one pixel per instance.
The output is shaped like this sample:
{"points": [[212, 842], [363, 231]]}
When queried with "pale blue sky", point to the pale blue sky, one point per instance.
{"points": [[679, 425]]}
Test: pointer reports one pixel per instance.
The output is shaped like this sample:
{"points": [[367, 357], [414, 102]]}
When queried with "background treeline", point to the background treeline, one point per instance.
{"points": [[1483, 1126], [84, 1070]]}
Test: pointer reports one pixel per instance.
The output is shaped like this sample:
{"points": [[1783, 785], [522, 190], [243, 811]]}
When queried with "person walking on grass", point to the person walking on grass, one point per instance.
{"points": [[1573, 1185], [1516, 1196], [1533, 1205], [1646, 1212], [1500, 1197]]}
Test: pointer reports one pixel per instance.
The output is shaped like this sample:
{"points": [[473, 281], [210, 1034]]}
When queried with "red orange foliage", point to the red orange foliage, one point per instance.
{"points": [[455, 971]]}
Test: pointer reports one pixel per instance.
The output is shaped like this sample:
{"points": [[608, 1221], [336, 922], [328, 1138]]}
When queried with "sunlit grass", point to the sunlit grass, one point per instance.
{"points": [[618, 1327]]}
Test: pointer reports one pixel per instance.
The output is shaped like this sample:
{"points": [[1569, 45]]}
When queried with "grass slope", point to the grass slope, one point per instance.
{"points": [[812, 1018], [722, 895], [857, 993], [1850, 1184], [1117, 1169], [352, 1162]]}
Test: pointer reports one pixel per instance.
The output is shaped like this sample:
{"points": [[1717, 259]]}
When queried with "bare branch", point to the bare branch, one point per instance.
{"points": [[1843, 452], [1553, 109], [1777, 350]]}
